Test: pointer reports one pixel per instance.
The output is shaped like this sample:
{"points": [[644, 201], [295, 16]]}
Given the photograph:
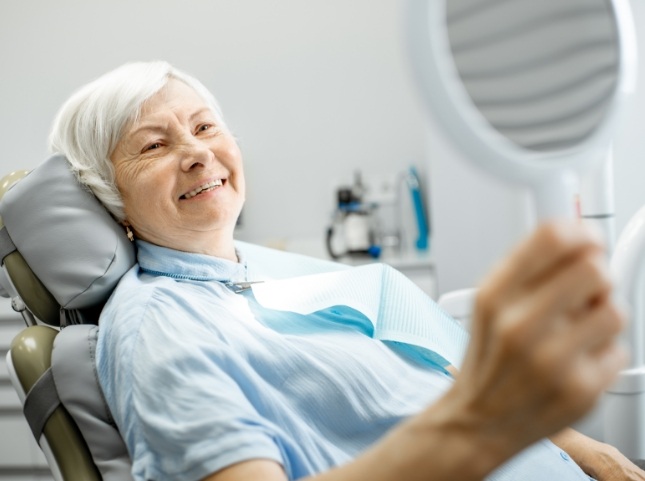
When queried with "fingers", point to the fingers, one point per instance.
{"points": [[583, 349], [569, 312], [560, 270], [593, 340], [596, 327], [590, 374], [543, 343], [564, 294], [551, 246]]}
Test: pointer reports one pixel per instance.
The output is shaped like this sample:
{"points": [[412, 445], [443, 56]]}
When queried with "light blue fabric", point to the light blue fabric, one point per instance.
{"points": [[199, 377], [395, 310]]}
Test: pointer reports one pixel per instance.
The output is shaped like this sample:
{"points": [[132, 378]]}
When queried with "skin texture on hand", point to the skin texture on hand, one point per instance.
{"points": [[599, 460]]}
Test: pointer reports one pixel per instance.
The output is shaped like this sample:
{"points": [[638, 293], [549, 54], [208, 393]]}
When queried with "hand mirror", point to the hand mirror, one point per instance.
{"points": [[529, 90]]}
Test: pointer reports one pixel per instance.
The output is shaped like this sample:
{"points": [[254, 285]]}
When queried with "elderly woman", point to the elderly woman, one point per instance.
{"points": [[204, 385]]}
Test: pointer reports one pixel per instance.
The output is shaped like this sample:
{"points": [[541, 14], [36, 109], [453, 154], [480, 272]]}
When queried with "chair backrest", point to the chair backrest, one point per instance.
{"points": [[63, 254], [459, 305], [49, 204]]}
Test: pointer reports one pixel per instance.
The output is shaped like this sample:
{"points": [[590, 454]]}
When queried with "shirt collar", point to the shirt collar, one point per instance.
{"points": [[158, 260]]}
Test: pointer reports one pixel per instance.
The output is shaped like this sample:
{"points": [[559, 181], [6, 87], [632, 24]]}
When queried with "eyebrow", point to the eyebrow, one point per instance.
{"points": [[157, 127]]}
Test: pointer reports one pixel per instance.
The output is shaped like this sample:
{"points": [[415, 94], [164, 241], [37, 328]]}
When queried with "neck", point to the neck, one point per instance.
{"points": [[221, 246]]}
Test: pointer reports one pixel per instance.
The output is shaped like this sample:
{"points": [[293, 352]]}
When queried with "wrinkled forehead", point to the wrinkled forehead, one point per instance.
{"points": [[174, 96]]}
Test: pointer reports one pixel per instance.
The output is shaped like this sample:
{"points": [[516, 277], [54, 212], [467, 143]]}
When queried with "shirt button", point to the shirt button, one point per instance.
{"points": [[564, 456]]}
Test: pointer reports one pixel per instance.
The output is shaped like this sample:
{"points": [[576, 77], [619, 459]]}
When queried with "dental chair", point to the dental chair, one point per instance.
{"points": [[62, 256]]}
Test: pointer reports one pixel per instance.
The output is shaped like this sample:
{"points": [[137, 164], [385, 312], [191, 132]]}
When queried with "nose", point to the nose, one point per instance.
{"points": [[195, 154]]}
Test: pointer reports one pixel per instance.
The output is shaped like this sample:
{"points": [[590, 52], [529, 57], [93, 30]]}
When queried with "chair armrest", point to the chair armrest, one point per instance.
{"points": [[459, 304]]}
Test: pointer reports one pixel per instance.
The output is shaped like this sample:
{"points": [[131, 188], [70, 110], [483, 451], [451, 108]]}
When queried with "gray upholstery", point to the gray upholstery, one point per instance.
{"points": [[40, 403], [74, 372], [63, 444], [77, 229], [78, 253]]}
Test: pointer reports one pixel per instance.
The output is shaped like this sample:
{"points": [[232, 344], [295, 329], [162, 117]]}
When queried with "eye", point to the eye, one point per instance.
{"points": [[154, 146], [203, 127]]}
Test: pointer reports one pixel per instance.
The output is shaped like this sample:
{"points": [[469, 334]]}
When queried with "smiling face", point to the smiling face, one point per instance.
{"points": [[179, 171]]}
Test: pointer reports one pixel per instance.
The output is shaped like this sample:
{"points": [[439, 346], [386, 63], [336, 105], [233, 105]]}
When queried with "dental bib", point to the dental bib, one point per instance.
{"points": [[398, 311]]}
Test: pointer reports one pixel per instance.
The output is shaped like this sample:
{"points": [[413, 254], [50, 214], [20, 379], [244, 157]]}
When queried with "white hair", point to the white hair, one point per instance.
{"points": [[91, 122]]}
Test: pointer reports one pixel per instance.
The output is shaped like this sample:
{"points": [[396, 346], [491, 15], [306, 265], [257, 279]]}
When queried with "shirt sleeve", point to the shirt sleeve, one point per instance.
{"points": [[191, 409]]}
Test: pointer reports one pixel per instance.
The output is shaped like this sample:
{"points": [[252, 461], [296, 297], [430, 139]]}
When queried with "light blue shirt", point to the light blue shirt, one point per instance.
{"points": [[199, 377]]}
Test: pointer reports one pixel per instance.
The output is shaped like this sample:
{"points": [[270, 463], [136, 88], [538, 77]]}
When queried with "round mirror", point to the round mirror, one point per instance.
{"points": [[528, 90]]}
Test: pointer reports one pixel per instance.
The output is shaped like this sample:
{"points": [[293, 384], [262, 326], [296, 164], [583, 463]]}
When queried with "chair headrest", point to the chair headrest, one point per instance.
{"points": [[68, 239]]}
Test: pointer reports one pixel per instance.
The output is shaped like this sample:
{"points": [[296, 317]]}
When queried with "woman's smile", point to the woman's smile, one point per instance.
{"points": [[202, 189]]}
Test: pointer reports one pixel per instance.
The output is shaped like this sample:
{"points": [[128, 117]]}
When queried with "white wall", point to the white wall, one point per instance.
{"points": [[314, 89]]}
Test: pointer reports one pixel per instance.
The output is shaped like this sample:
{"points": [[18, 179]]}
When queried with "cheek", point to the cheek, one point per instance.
{"points": [[136, 192], [228, 149], [236, 158], [241, 179]]}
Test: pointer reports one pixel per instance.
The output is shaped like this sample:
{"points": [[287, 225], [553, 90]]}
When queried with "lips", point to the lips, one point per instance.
{"points": [[207, 187]]}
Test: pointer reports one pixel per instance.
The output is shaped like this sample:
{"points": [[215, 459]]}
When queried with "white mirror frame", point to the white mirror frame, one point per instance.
{"points": [[551, 175]]}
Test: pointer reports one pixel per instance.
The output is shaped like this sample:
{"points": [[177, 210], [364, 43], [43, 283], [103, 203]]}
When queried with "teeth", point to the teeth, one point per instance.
{"points": [[203, 188]]}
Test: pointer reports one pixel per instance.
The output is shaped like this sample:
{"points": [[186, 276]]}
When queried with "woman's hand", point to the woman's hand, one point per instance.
{"points": [[599, 460], [543, 345], [609, 464]]}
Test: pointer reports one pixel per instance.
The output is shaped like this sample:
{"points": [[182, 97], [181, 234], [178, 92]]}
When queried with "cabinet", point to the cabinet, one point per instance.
{"points": [[419, 267], [416, 266], [20, 456]]}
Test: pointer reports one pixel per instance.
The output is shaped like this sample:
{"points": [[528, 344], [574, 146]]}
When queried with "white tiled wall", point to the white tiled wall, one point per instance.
{"points": [[20, 456]]}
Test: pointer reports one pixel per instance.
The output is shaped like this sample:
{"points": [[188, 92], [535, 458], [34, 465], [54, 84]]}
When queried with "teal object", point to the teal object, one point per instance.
{"points": [[419, 210]]}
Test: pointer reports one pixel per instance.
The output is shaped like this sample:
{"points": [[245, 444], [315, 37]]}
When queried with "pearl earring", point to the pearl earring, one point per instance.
{"points": [[129, 233]]}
